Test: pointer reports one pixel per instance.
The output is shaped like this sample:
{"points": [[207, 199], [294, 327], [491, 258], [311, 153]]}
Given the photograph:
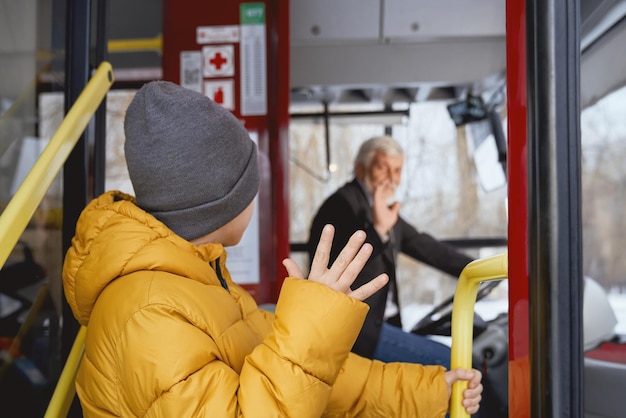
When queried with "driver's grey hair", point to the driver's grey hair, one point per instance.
{"points": [[386, 144]]}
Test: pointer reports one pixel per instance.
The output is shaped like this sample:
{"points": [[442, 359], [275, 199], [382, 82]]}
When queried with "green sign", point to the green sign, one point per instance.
{"points": [[252, 13]]}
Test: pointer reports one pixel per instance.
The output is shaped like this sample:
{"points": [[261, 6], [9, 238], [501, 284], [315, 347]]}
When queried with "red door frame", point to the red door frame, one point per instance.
{"points": [[519, 371]]}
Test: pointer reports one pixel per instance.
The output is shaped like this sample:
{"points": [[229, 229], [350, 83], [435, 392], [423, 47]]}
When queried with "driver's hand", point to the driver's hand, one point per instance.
{"points": [[471, 395], [385, 215], [346, 267]]}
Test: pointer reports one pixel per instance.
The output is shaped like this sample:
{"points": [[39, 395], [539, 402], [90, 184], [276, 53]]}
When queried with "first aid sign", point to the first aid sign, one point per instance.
{"points": [[218, 60]]}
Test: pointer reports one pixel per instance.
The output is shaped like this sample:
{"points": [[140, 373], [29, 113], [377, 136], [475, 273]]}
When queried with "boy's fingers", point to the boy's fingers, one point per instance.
{"points": [[472, 403], [322, 252], [472, 409], [292, 268], [369, 288], [347, 254], [452, 376], [474, 391], [476, 378], [455, 375], [354, 267], [344, 269]]}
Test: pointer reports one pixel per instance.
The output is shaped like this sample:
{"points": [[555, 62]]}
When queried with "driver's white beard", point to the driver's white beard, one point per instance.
{"points": [[392, 197]]}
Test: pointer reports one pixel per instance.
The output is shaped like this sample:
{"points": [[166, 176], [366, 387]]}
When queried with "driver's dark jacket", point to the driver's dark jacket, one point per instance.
{"points": [[348, 210]]}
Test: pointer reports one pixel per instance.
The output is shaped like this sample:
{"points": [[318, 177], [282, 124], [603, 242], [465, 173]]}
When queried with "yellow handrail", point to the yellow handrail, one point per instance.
{"points": [[489, 268], [21, 207], [136, 45], [65, 389]]}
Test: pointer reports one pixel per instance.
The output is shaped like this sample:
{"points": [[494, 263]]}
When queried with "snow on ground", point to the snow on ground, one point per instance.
{"points": [[489, 309]]}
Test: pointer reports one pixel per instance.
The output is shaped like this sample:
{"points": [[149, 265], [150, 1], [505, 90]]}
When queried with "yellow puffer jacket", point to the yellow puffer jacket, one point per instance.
{"points": [[166, 338]]}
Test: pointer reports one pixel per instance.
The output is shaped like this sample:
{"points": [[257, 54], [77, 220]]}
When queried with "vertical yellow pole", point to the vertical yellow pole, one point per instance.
{"points": [[490, 268]]}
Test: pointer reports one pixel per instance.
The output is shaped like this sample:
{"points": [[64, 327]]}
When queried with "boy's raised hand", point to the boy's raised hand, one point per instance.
{"points": [[346, 267]]}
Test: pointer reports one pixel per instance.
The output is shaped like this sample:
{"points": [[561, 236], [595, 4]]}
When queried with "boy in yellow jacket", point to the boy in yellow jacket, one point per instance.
{"points": [[170, 334]]}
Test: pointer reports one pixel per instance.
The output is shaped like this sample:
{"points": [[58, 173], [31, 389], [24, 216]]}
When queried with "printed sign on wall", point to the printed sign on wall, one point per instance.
{"points": [[253, 82], [191, 70], [217, 34], [221, 92], [218, 60]]}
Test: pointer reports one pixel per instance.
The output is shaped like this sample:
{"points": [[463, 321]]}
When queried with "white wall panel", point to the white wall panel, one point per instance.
{"points": [[17, 26], [334, 20], [415, 19], [397, 64]]}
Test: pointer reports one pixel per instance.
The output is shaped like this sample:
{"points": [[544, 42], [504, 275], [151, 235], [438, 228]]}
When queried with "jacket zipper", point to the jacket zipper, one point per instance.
{"points": [[218, 271]]}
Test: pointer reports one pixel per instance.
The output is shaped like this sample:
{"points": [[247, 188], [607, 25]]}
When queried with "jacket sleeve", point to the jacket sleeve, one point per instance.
{"points": [[292, 373], [304, 369], [370, 388]]}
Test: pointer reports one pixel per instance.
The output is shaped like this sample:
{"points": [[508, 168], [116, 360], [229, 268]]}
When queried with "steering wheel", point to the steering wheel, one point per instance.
{"points": [[439, 320]]}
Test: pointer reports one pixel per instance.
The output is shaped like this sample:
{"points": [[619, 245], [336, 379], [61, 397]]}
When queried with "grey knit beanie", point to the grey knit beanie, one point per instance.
{"points": [[191, 162]]}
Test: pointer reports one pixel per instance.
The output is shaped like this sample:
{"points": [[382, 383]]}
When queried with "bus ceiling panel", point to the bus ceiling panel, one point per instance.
{"points": [[331, 21], [419, 49], [323, 21], [419, 20], [451, 62], [443, 46]]}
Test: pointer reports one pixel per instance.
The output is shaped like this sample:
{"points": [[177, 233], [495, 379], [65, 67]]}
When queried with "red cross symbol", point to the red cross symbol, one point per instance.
{"points": [[218, 60]]}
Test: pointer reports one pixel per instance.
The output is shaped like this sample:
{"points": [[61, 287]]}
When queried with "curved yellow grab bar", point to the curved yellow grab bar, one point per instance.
{"points": [[64, 392], [21, 207], [489, 268]]}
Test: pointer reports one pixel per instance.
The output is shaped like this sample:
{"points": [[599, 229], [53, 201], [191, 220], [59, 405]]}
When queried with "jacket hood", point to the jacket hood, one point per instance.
{"points": [[114, 238]]}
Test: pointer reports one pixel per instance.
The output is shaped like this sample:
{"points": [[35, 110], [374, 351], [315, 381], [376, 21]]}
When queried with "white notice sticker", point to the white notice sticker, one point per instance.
{"points": [[217, 34], [191, 70]]}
